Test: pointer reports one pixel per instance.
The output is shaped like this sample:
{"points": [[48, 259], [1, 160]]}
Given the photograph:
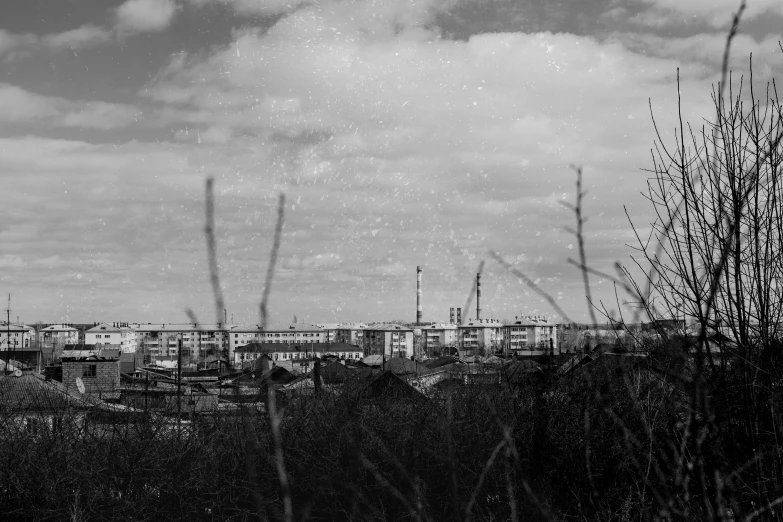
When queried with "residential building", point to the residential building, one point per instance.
{"points": [[114, 335], [351, 333], [15, 337], [293, 333], [478, 334], [56, 336], [283, 351], [393, 340], [436, 337], [530, 335], [330, 331]]}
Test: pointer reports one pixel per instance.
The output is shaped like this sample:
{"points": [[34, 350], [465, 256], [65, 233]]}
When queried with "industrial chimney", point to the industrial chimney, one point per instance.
{"points": [[478, 296], [418, 295]]}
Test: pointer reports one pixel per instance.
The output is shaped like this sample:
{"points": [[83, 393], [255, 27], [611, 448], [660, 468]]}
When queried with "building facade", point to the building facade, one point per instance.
{"points": [[16, 336], [437, 338], [121, 337], [481, 334], [351, 333], [56, 336], [531, 335], [294, 333], [243, 355], [392, 340]]}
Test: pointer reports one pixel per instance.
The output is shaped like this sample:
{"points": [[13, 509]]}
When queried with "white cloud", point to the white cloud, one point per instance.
{"points": [[144, 16], [9, 261], [718, 13], [262, 7], [79, 38], [12, 44], [21, 106]]}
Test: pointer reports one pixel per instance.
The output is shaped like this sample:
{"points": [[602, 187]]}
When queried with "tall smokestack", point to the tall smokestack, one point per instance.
{"points": [[478, 296], [418, 295]]}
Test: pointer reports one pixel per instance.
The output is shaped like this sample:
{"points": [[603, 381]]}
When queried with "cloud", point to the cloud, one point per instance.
{"points": [[21, 106], [9, 261], [707, 48], [717, 13], [144, 16], [82, 37], [265, 7], [13, 44]]}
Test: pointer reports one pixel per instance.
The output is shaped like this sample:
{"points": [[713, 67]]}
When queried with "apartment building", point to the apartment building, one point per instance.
{"points": [[479, 334], [351, 333], [436, 337], [393, 340], [57, 336], [122, 337], [293, 333], [530, 335], [291, 352], [330, 331]]}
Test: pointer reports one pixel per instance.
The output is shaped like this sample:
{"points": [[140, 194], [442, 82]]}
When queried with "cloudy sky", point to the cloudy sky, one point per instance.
{"points": [[402, 132]]}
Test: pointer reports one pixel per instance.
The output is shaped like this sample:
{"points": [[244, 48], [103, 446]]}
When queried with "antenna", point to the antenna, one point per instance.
{"points": [[8, 333]]}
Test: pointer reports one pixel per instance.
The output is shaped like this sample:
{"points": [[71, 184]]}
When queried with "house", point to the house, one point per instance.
{"points": [[530, 335], [15, 337], [56, 336], [393, 340], [30, 403], [113, 335]]}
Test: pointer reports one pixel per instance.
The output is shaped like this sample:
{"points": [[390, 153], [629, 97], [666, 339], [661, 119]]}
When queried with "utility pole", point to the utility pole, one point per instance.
{"points": [[179, 385]]}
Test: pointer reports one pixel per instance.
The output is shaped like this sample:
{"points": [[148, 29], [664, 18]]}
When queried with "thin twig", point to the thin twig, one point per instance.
{"points": [[209, 233], [270, 270], [529, 282]]}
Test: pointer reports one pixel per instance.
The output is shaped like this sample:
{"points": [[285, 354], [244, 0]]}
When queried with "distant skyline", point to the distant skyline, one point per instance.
{"points": [[402, 133]]}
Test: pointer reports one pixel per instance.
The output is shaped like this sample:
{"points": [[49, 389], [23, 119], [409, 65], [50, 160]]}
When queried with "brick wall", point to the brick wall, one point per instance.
{"points": [[106, 379]]}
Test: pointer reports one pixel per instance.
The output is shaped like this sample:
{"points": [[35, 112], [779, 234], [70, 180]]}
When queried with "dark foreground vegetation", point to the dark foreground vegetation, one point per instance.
{"points": [[616, 439]]}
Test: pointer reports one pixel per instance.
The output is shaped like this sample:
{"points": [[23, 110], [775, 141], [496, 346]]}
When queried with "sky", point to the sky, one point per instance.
{"points": [[403, 133]]}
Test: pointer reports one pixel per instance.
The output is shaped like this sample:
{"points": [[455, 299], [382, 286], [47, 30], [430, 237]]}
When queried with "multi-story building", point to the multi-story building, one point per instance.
{"points": [[16, 336], [294, 333], [478, 334], [160, 340], [57, 336], [351, 333], [437, 337], [531, 335], [330, 331], [393, 340], [121, 337], [289, 352]]}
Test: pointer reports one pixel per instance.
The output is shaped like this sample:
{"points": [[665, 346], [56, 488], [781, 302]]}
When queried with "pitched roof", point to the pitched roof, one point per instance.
{"points": [[30, 392], [59, 328]]}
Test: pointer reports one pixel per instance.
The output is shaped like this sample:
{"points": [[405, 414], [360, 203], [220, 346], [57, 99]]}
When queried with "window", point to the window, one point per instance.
{"points": [[90, 370]]}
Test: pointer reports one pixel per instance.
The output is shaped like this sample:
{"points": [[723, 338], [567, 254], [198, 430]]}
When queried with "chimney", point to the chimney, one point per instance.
{"points": [[478, 296], [418, 295]]}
